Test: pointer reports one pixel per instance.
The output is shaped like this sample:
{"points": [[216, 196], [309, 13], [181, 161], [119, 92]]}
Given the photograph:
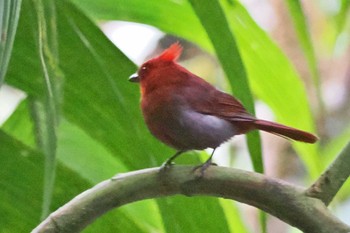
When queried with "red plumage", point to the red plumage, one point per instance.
{"points": [[186, 112]]}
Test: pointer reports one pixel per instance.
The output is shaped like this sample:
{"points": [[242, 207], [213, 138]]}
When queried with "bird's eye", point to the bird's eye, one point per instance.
{"points": [[145, 68]]}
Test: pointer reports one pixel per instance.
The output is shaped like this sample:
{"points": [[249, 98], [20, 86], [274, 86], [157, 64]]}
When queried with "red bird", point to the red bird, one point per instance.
{"points": [[187, 113]]}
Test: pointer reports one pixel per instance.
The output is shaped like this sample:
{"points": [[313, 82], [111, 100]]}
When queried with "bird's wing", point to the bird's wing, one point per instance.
{"points": [[222, 105], [230, 108], [206, 99]]}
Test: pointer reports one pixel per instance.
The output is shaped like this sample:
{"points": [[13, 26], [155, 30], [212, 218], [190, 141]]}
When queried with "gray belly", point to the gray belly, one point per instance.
{"points": [[191, 130]]}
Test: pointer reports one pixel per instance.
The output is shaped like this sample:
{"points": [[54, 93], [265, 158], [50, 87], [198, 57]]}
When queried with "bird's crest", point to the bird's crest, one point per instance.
{"points": [[172, 53]]}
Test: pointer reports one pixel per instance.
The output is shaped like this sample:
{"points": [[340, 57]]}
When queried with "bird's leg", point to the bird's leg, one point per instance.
{"points": [[206, 164], [170, 160]]}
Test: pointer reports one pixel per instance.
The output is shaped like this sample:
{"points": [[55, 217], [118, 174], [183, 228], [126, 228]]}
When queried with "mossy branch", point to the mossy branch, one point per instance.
{"points": [[329, 183], [283, 200]]}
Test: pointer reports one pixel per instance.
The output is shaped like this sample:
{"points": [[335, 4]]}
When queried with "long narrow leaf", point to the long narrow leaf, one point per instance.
{"points": [[343, 15], [274, 80], [9, 14], [234, 217], [45, 110], [302, 31], [224, 42]]}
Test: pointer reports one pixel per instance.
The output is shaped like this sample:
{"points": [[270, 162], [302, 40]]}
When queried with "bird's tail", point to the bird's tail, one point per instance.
{"points": [[285, 131]]}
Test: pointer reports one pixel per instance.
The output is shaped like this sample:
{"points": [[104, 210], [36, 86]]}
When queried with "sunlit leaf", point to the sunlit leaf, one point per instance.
{"points": [[302, 31], [224, 42], [20, 125], [274, 80]]}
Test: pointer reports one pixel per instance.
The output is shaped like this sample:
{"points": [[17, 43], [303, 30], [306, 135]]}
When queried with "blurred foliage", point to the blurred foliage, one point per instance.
{"points": [[81, 122]]}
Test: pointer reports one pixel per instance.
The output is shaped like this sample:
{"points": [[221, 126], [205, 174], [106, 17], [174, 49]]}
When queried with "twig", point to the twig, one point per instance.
{"points": [[276, 197], [329, 183]]}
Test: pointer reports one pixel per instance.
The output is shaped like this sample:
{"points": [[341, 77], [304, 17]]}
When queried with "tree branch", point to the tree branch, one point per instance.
{"points": [[329, 183], [283, 200]]}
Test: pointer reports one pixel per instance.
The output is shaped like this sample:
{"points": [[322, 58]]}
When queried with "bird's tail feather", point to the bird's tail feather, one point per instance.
{"points": [[285, 131]]}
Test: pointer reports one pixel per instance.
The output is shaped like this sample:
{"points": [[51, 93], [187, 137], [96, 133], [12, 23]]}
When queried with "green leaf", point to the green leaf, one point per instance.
{"points": [[274, 80], [98, 97], [302, 31], [45, 110], [81, 154], [235, 221], [224, 42], [21, 183], [48, 78], [344, 192], [20, 125], [343, 15], [165, 19], [194, 220], [84, 155], [330, 151], [92, 161], [9, 14]]}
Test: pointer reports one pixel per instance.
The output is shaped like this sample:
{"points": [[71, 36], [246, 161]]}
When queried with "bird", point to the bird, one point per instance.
{"points": [[187, 113]]}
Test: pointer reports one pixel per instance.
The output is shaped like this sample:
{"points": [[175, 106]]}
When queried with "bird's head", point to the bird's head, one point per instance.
{"points": [[155, 66]]}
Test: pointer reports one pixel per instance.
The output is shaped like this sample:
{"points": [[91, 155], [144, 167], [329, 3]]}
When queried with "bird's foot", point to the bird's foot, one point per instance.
{"points": [[169, 162], [204, 167], [166, 165]]}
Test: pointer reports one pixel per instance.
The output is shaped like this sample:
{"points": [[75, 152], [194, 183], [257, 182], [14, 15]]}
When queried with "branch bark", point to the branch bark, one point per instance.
{"points": [[285, 201], [326, 187]]}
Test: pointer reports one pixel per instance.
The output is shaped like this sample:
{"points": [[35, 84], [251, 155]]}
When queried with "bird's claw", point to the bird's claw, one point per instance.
{"points": [[203, 167], [166, 165], [169, 162]]}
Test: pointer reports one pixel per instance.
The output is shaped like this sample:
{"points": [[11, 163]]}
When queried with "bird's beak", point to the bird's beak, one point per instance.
{"points": [[134, 78]]}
